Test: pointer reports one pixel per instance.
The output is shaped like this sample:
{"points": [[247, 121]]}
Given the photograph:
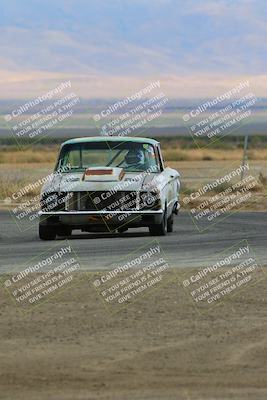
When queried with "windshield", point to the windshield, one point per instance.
{"points": [[131, 156]]}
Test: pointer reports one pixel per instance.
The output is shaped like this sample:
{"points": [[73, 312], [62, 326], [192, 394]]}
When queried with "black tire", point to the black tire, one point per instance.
{"points": [[170, 223], [159, 229], [47, 232], [64, 231]]}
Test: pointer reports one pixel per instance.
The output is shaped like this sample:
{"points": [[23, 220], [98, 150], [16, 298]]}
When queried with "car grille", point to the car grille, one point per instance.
{"points": [[97, 201], [54, 201], [103, 201]]}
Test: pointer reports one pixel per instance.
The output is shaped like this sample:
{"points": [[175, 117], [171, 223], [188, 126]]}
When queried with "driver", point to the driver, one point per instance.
{"points": [[135, 158]]}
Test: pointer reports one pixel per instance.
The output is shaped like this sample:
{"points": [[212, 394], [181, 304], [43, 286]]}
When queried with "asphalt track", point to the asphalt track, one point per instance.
{"points": [[185, 247]]}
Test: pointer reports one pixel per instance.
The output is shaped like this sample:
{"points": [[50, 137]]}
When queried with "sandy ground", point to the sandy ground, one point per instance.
{"points": [[160, 347]]}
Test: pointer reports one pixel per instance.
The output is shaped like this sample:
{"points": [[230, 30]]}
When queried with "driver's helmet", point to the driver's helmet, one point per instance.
{"points": [[135, 157]]}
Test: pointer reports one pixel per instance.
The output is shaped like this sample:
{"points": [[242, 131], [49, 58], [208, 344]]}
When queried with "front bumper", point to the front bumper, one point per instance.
{"points": [[81, 219], [55, 213]]}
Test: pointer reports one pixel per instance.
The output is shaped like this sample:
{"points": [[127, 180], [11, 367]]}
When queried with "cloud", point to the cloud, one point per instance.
{"points": [[209, 8], [57, 51]]}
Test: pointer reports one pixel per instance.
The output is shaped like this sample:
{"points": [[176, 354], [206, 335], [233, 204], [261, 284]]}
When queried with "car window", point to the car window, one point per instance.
{"points": [[131, 156]]}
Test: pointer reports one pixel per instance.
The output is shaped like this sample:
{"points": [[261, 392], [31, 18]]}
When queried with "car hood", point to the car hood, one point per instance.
{"points": [[74, 182]]}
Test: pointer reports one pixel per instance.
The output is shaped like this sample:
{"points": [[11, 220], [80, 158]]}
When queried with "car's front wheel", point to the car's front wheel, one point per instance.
{"points": [[159, 229], [170, 221], [47, 232], [64, 231]]}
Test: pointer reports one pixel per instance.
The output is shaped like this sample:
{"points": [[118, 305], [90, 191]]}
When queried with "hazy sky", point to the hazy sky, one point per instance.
{"points": [[109, 48]]}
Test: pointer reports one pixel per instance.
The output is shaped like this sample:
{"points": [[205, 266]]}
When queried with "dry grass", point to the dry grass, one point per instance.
{"points": [[33, 155], [14, 177], [171, 154], [48, 154]]}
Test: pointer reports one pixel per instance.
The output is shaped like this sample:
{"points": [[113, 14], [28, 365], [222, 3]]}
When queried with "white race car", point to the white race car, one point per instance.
{"points": [[107, 184]]}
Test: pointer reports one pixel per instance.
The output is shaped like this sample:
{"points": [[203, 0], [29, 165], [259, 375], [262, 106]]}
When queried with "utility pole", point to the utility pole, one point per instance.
{"points": [[245, 156]]}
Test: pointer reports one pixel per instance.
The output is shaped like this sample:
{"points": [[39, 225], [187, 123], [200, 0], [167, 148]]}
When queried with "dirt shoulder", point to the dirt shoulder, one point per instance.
{"points": [[160, 347]]}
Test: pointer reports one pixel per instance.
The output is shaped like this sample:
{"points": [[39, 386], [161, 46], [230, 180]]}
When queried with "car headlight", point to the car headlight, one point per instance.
{"points": [[149, 200], [49, 201]]}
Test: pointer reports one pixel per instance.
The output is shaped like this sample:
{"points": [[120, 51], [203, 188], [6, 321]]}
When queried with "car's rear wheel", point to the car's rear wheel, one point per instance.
{"points": [[47, 232], [159, 229]]}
